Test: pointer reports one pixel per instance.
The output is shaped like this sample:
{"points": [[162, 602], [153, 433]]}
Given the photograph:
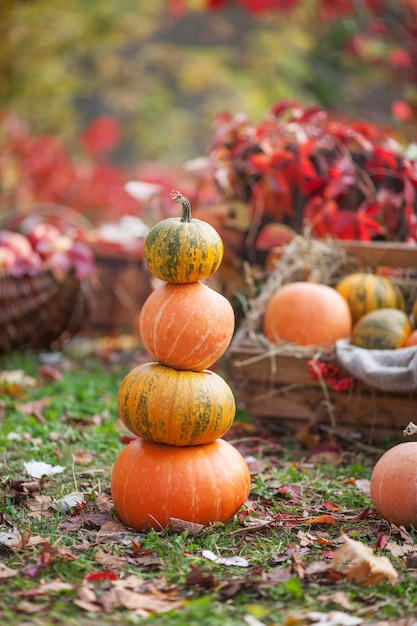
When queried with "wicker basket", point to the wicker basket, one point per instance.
{"points": [[40, 310]]}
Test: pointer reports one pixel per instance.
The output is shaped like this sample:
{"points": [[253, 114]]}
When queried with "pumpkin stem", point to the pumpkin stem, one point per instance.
{"points": [[186, 205]]}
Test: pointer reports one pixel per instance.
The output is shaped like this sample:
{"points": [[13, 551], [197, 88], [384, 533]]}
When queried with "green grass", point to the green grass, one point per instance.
{"points": [[287, 490]]}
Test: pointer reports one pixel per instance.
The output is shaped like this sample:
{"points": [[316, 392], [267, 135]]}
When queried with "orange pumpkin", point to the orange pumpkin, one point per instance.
{"points": [[186, 326], [152, 483], [307, 314], [393, 485], [175, 407], [411, 339]]}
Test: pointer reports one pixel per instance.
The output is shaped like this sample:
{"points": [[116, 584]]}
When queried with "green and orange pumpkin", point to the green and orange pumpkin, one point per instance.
{"points": [[382, 329], [175, 407], [183, 250], [365, 292]]}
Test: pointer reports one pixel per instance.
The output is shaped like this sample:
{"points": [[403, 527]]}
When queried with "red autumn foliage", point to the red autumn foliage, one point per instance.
{"points": [[302, 168]]}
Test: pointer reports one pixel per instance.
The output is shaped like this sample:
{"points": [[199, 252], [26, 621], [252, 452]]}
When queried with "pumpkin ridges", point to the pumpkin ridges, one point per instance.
{"points": [[365, 292], [152, 483], [201, 246], [186, 326], [382, 329], [174, 406]]}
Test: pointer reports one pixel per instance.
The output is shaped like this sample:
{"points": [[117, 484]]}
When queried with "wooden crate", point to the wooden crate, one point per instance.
{"points": [[275, 382]]}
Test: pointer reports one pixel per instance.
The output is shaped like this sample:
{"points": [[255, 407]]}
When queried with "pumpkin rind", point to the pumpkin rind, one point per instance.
{"points": [[306, 313], [393, 485], [188, 327], [179, 408], [153, 483], [365, 292], [382, 329]]}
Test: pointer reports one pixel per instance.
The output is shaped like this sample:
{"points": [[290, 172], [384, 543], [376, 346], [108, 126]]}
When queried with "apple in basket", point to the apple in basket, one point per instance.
{"points": [[17, 242], [43, 232], [7, 257]]}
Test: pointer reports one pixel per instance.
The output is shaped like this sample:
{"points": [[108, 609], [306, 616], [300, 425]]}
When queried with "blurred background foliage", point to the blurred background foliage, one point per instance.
{"points": [[165, 75]]}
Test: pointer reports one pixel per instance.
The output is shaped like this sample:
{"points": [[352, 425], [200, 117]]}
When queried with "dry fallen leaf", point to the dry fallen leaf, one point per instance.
{"points": [[34, 408], [82, 457], [7, 572], [360, 564]]}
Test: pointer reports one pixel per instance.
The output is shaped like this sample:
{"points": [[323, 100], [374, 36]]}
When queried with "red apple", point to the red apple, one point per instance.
{"points": [[27, 266], [43, 232], [7, 257], [17, 242], [61, 243]]}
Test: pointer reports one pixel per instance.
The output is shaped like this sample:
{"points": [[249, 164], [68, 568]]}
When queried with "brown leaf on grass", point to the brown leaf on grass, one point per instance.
{"points": [[34, 408], [110, 561], [298, 565], [19, 488], [53, 586], [15, 382], [82, 457], [197, 576], [133, 593], [103, 502], [48, 372], [39, 506], [401, 550], [181, 525], [338, 597], [360, 564], [7, 572], [91, 520]]}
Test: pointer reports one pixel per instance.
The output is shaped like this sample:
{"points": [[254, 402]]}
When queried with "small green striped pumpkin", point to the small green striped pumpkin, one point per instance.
{"points": [[176, 407], [365, 292], [382, 329], [183, 250]]}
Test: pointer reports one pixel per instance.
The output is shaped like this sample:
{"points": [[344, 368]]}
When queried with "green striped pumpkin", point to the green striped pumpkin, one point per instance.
{"points": [[183, 250], [365, 292], [175, 407], [382, 329]]}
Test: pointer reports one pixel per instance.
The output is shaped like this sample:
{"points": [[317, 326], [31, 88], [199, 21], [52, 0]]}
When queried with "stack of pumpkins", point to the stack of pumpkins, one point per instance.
{"points": [[179, 467]]}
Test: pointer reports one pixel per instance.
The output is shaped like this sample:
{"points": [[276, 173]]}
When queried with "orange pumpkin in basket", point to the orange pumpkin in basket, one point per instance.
{"points": [[306, 313], [186, 326]]}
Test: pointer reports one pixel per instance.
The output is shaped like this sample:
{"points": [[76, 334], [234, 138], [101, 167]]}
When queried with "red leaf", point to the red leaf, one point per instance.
{"points": [[102, 136], [96, 576], [400, 59], [401, 111]]}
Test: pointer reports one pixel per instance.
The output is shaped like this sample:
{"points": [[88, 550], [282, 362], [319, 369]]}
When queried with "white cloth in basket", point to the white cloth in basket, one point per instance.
{"points": [[385, 370]]}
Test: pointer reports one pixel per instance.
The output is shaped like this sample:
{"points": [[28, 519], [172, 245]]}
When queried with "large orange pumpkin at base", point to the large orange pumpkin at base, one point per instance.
{"points": [[152, 483], [306, 313], [394, 485], [186, 326]]}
